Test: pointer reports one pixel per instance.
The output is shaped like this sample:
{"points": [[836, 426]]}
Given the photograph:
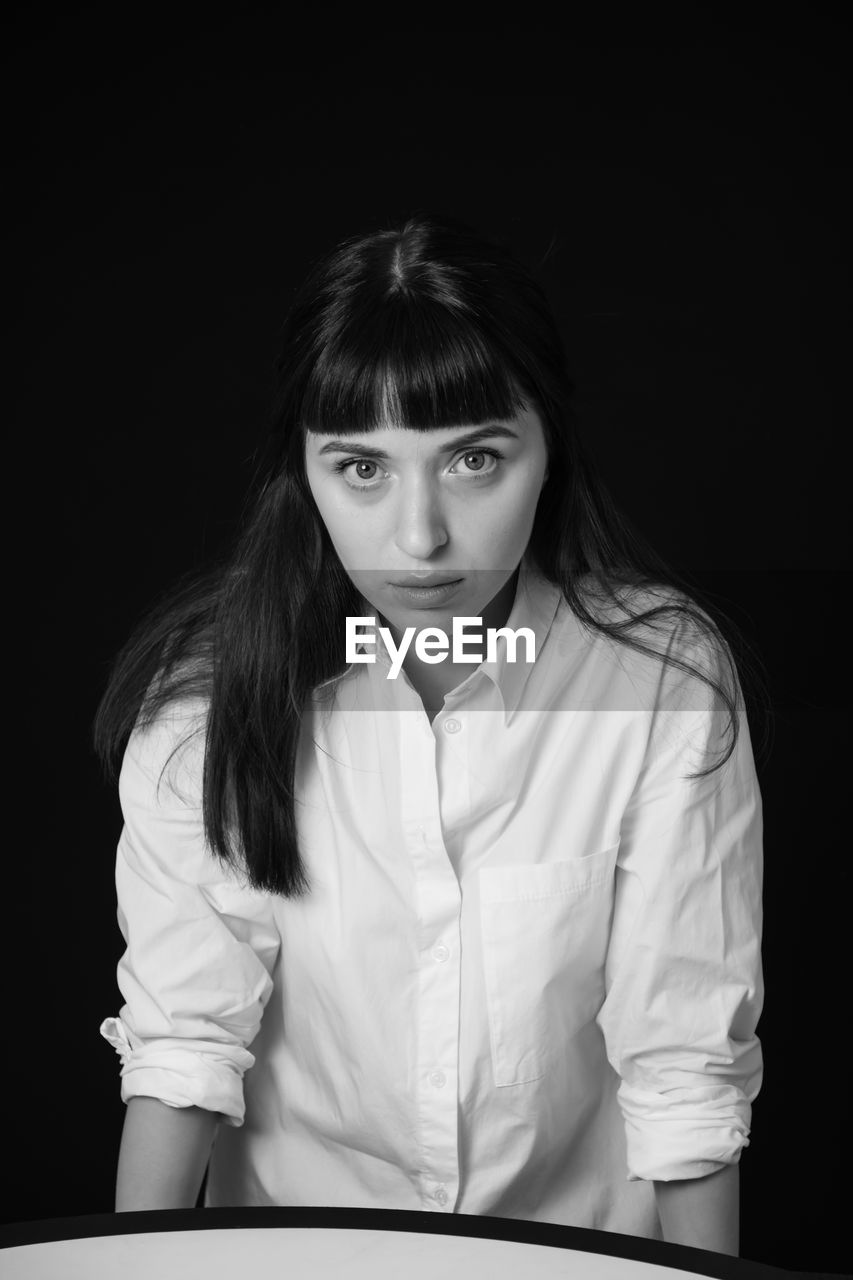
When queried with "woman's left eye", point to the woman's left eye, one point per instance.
{"points": [[475, 462]]}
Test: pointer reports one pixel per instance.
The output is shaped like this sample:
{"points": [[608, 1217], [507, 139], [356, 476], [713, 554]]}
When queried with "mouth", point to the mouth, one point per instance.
{"points": [[428, 589], [424, 580]]}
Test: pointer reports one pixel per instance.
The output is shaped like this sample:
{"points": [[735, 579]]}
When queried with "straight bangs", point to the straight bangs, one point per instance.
{"points": [[414, 367]]}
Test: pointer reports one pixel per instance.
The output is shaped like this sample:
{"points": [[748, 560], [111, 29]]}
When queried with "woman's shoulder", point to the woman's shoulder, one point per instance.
{"points": [[652, 637], [653, 611], [165, 752]]}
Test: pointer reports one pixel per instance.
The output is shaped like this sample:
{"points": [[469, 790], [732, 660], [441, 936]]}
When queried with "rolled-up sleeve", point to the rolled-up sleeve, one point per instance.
{"points": [[683, 973], [201, 945]]}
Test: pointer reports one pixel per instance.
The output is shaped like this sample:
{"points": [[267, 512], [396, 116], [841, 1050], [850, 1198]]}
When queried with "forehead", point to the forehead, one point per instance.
{"points": [[400, 441]]}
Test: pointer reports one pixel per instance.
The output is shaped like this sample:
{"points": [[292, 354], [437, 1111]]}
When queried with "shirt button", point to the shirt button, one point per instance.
{"points": [[438, 1079], [452, 726], [440, 952], [441, 1195]]}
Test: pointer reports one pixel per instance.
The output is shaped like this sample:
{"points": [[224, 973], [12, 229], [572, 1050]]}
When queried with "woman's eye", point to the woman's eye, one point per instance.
{"points": [[478, 462], [359, 473], [364, 473], [364, 469]]}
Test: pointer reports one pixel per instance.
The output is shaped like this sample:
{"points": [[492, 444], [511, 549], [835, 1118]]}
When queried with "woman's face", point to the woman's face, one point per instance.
{"points": [[431, 525]]}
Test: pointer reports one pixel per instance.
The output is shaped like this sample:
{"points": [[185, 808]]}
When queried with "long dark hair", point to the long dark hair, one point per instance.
{"points": [[442, 327]]}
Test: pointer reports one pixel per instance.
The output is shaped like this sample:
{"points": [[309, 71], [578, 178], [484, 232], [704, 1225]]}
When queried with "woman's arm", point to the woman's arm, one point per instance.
{"points": [[702, 1212], [683, 968], [195, 976], [163, 1156]]}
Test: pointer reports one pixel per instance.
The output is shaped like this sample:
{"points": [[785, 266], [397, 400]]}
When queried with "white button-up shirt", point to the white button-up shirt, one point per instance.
{"points": [[526, 979]]}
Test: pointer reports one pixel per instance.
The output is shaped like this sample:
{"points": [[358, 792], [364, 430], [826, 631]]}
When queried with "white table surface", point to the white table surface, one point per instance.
{"points": [[312, 1253]]}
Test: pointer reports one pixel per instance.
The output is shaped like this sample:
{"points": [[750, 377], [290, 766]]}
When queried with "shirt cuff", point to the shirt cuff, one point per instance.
{"points": [[684, 1133], [181, 1073]]}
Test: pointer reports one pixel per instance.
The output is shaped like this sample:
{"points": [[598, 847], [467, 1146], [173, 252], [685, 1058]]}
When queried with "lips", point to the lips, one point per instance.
{"points": [[434, 591], [423, 580]]}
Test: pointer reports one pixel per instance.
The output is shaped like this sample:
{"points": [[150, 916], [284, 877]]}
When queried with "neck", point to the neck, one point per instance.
{"points": [[433, 680]]}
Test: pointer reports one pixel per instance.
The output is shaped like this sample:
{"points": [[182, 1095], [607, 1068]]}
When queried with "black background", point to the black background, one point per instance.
{"points": [[685, 205]]}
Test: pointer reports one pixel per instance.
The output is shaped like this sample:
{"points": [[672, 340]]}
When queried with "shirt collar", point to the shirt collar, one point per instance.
{"points": [[535, 606]]}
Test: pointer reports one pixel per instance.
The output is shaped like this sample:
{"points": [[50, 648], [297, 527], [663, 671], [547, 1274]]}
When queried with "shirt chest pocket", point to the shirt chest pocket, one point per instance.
{"points": [[545, 931]]}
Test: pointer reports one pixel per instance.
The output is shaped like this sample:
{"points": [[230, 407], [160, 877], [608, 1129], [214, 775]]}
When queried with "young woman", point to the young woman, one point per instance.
{"points": [[464, 928]]}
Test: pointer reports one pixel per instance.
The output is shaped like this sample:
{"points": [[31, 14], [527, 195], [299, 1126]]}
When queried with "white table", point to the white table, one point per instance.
{"points": [[309, 1253]]}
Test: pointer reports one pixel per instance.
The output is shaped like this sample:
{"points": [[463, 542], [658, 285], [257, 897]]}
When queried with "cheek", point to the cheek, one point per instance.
{"points": [[352, 537], [512, 519]]}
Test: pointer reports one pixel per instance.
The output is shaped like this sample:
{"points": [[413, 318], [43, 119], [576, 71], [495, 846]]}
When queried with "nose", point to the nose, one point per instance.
{"points": [[421, 525]]}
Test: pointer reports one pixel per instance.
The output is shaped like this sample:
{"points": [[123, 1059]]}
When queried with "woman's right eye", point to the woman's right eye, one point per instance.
{"points": [[355, 470]]}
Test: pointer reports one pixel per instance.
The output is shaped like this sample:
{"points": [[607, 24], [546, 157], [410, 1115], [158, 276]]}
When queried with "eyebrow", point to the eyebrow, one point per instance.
{"points": [[461, 442]]}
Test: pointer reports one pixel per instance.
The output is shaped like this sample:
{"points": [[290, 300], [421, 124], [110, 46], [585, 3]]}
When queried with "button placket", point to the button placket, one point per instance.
{"points": [[438, 905], [439, 1049], [439, 993]]}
